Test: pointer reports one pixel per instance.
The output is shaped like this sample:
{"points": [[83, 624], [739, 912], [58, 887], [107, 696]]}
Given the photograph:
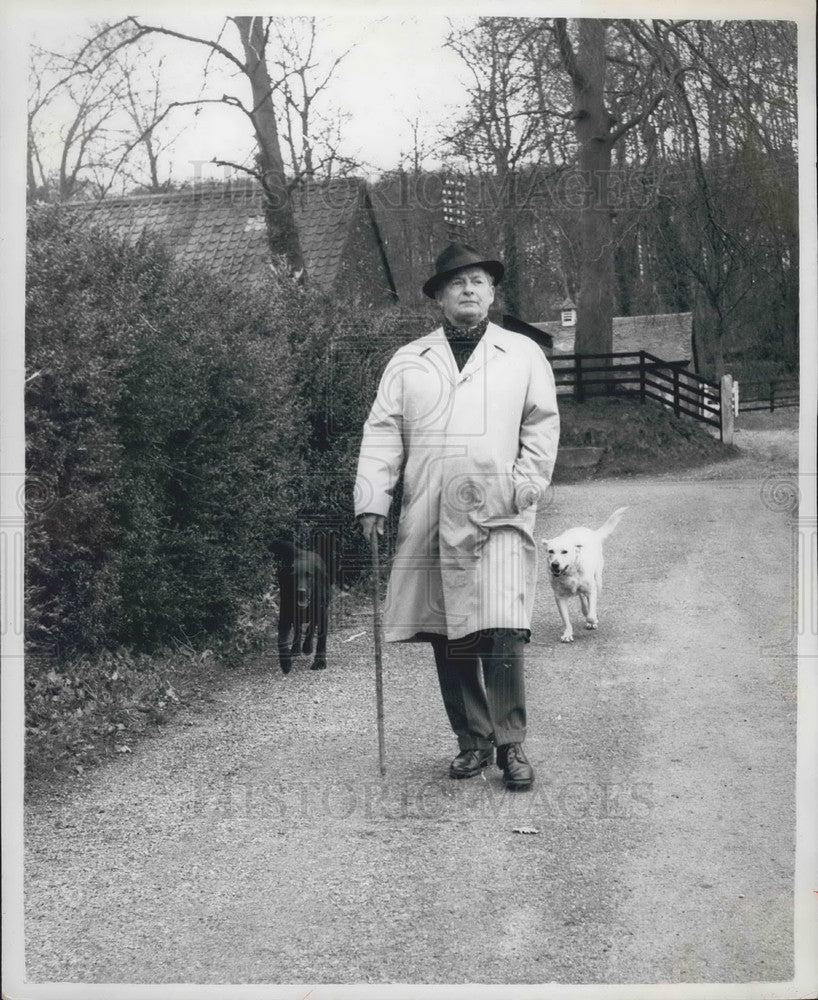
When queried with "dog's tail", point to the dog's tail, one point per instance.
{"points": [[611, 523]]}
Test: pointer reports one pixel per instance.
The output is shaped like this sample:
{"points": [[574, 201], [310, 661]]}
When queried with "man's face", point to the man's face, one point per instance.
{"points": [[465, 298]]}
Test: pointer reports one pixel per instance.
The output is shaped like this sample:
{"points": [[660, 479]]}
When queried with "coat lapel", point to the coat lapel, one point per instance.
{"points": [[437, 352], [489, 347]]}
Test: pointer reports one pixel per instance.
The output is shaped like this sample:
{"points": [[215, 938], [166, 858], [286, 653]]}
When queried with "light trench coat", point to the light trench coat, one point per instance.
{"points": [[471, 445]]}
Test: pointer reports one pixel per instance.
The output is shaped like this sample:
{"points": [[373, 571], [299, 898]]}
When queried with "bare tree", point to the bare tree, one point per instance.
{"points": [[738, 208], [116, 128], [585, 61], [501, 130], [698, 98], [144, 104], [85, 139], [268, 165], [108, 116], [282, 108], [311, 136]]}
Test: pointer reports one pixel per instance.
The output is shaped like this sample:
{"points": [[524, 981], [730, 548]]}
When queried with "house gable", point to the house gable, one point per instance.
{"points": [[224, 230]]}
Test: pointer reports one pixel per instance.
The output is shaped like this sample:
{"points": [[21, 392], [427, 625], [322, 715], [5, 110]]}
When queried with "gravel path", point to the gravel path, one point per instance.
{"points": [[254, 841]]}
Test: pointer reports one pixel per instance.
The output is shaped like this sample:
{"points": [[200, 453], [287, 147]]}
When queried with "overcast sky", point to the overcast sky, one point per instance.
{"points": [[397, 70]]}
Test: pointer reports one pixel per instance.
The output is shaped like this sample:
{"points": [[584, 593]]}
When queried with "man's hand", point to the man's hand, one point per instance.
{"points": [[526, 494], [370, 523]]}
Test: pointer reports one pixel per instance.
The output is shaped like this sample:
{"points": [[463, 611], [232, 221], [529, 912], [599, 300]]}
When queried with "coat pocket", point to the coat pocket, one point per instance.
{"points": [[480, 495]]}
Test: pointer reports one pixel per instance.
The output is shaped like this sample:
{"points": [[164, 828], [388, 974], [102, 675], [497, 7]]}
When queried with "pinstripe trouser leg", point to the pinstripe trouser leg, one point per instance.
{"points": [[504, 679], [482, 683]]}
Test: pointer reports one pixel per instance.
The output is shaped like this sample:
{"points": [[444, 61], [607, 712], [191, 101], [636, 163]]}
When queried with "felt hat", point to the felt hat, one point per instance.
{"points": [[455, 257]]}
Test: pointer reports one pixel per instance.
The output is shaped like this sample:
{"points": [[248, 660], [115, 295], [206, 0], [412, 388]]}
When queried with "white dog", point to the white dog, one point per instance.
{"points": [[575, 562]]}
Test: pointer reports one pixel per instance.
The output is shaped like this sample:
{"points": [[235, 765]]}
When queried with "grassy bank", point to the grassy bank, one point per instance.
{"points": [[636, 439]]}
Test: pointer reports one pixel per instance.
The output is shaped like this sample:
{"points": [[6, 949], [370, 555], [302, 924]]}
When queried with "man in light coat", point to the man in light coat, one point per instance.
{"points": [[468, 415]]}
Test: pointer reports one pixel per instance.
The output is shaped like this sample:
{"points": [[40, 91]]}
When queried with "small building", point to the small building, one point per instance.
{"points": [[224, 228], [568, 313]]}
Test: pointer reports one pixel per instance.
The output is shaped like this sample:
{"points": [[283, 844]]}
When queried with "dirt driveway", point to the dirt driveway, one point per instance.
{"points": [[255, 842]]}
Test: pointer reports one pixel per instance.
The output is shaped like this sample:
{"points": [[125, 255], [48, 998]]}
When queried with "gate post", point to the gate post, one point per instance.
{"points": [[579, 388], [726, 419]]}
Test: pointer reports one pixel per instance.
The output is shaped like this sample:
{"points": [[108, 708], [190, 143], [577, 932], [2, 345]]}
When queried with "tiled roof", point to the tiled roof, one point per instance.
{"points": [[224, 229], [668, 335]]}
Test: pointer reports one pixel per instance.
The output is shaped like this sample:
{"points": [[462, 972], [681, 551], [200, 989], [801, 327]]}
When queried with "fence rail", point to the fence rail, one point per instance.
{"points": [[774, 394], [641, 375]]}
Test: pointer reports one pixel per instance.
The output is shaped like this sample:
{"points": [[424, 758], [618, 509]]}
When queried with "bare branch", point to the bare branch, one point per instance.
{"points": [[648, 111], [567, 54], [209, 43]]}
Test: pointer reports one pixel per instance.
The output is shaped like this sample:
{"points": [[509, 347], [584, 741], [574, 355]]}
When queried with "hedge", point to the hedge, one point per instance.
{"points": [[176, 426]]}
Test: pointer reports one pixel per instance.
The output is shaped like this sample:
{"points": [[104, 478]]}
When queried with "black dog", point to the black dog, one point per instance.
{"points": [[304, 605]]}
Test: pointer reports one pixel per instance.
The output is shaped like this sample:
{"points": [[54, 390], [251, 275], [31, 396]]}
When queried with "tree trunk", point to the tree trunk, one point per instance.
{"points": [[592, 125], [31, 179], [708, 335], [281, 229]]}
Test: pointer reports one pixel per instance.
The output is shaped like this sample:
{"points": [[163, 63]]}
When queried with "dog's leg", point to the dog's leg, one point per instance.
{"points": [[285, 659], [589, 607], [306, 647], [298, 627], [320, 661], [568, 632]]}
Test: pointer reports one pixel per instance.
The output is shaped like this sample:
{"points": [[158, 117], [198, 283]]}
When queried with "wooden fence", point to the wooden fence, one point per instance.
{"points": [[641, 376], [771, 395]]}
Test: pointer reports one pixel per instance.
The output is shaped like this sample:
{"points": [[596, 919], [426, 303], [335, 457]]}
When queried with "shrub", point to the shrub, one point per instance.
{"points": [[165, 429], [177, 425]]}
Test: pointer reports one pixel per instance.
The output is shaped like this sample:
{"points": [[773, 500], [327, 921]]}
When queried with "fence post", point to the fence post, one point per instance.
{"points": [[579, 390], [676, 391], [726, 420], [641, 376], [772, 396]]}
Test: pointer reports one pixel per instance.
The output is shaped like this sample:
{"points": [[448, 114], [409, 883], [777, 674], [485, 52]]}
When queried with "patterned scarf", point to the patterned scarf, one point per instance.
{"points": [[463, 342]]}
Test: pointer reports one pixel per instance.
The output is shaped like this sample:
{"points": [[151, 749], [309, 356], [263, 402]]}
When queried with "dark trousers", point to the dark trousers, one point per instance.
{"points": [[483, 687]]}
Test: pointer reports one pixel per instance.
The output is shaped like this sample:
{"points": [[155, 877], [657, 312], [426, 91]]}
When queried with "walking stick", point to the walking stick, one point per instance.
{"points": [[376, 613]]}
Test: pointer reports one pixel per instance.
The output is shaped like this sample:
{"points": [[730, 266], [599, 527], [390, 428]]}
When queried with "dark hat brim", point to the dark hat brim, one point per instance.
{"points": [[493, 267]]}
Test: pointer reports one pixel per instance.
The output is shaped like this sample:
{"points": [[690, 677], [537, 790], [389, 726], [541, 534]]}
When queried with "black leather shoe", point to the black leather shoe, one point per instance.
{"points": [[468, 763], [518, 774]]}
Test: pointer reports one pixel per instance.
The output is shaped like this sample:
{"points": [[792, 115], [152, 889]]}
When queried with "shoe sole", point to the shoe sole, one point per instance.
{"points": [[518, 786], [470, 774]]}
